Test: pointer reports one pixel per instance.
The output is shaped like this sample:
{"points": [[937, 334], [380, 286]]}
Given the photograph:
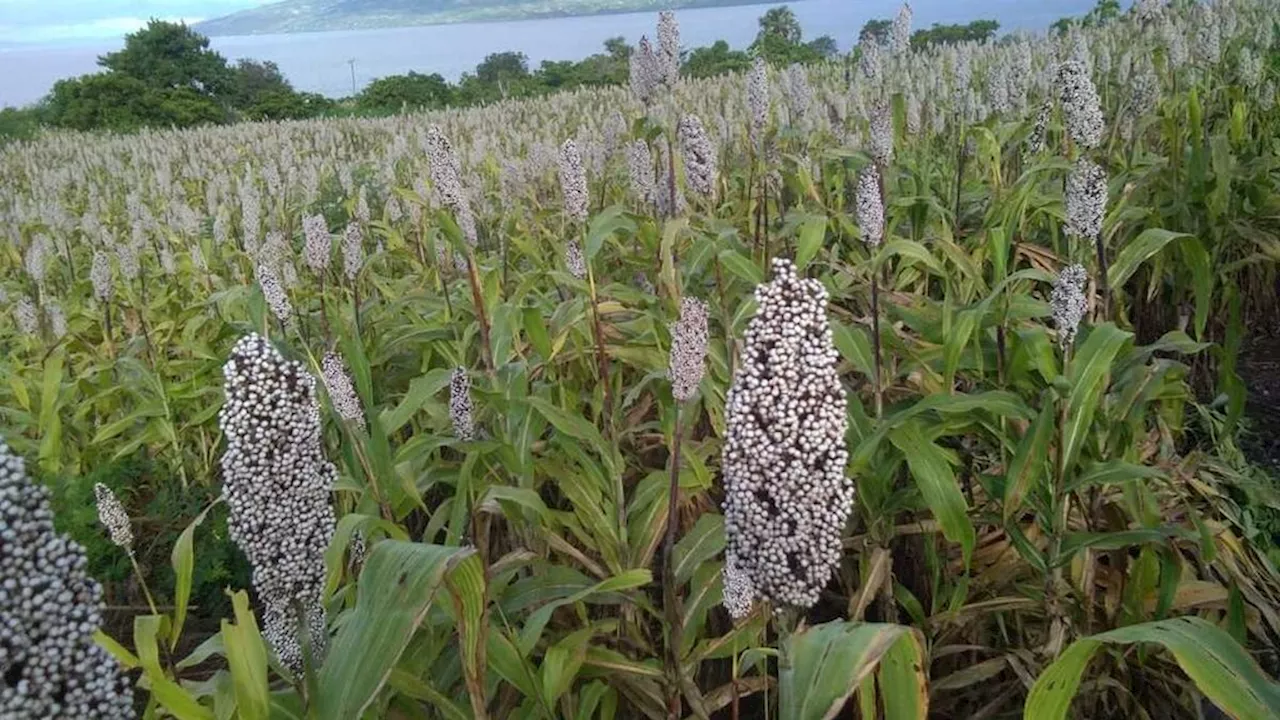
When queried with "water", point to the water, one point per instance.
{"points": [[318, 62]]}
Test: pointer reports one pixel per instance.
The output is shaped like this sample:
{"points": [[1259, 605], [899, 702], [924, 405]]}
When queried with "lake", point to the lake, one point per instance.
{"points": [[318, 62]]}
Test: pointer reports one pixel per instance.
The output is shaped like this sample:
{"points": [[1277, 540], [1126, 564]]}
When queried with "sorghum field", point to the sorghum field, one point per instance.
{"points": [[900, 386]]}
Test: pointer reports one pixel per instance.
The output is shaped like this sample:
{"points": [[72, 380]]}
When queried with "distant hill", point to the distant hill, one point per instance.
{"points": [[314, 15]]}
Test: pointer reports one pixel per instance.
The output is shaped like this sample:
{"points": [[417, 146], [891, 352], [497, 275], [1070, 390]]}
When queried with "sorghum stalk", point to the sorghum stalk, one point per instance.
{"points": [[477, 297], [686, 367]]}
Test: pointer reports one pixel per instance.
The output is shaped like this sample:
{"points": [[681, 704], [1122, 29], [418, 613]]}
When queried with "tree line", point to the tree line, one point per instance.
{"points": [[167, 76]]}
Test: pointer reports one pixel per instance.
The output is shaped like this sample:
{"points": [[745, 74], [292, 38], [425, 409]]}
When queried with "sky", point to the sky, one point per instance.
{"points": [[46, 21]]}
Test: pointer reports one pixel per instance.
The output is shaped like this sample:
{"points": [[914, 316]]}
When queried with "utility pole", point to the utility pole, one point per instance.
{"points": [[352, 63]]}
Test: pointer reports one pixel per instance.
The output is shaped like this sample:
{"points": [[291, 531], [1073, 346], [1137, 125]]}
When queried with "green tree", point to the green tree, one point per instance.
{"points": [[715, 60], [823, 46], [171, 55], [617, 48], [876, 30], [976, 31], [779, 23], [503, 67], [400, 92], [103, 101], [252, 80]]}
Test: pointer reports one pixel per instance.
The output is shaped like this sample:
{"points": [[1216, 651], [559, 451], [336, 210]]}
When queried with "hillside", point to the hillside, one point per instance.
{"points": [[315, 15]]}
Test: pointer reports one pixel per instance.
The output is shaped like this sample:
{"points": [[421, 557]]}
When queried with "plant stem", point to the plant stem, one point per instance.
{"points": [[602, 358], [875, 343], [477, 297], [142, 582], [670, 595]]}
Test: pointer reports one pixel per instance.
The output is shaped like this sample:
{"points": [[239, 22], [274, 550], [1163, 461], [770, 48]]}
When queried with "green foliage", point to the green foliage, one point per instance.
{"points": [[165, 55], [716, 59], [405, 92], [779, 40], [977, 31]]}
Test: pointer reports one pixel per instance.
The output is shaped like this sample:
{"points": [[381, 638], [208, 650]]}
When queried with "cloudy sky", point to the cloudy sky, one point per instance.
{"points": [[42, 21]]}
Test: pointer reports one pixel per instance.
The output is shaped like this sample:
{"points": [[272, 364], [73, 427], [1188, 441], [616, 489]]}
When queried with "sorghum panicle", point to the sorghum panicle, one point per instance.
{"points": [[869, 208], [1086, 199], [342, 392], [460, 409], [1081, 107], [786, 494], [113, 517], [50, 666], [1068, 303], [573, 182], [699, 156], [688, 349], [277, 484]]}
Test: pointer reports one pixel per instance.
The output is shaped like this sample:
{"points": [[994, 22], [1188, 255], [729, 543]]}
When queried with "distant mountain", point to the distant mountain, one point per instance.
{"points": [[314, 15]]}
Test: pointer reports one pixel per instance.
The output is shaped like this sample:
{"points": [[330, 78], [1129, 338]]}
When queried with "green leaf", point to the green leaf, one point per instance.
{"points": [[397, 585], [703, 542], [1089, 371], [741, 266], [422, 391], [50, 423], [855, 346], [1138, 251], [535, 327], [1196, 258], [902, 681], [603, 226], [812, 233], [467, 588], [539, 618], [932, 474], [1219, 667], [183, 560], [247, 658], [1027, 466], [823, 665], [118, 651]]}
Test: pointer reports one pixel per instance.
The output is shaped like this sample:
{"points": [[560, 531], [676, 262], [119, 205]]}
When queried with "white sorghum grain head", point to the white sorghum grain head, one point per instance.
{"points": [[460, 409], [273, 292], [26, 316], [870, 209], [688, 349], [49, 610], [1035, 142], [1081, 107], [668, 48], [277, 482], [352, 251], [317, 245], [758, 98], [574, 260], [900, 36], [56, 317], [573, 182], [1068, 302], [739, 594], [786, 494], [882, 133], [699, 156], [342, 392], [645, 72], [113, 517], [640, 167], [1086, 199]]}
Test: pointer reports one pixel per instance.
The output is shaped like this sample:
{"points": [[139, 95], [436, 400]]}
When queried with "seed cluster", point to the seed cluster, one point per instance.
{"points": [[786, 494], [699, 156], [668, 48], [645, 73], [758, 98], [50, 666], [1086, 199], [1067, 301], [100, 276], [317, 247], [573, 181], [738, 595], [640, 167], [342, 392], [1081, 107], [113, 517], [688, 348], [277, 484], [869, 208], [352, 251], [464, 427]]}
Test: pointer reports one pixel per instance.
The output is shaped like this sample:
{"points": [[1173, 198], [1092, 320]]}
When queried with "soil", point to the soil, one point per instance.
{"points": [[1260, 369]]}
